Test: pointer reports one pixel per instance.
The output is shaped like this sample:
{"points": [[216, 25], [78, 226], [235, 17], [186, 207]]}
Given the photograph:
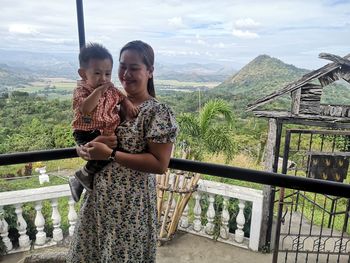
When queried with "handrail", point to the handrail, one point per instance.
{"points": [[225, 171]]}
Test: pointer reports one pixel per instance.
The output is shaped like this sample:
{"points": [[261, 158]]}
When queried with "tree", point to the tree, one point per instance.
{"points": [[208, 131]]}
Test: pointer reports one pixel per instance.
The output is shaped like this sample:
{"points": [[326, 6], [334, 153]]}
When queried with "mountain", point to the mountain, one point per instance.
{"points": [[193, 72], [261, 76], [40, 64], [13, 78]]}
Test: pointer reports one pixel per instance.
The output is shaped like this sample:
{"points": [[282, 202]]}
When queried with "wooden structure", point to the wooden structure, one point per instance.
{"points": [[306, 109], [306, 95]]}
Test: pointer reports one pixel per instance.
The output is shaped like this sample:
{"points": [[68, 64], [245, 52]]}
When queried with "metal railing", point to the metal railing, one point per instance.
{"points": [[225, 171]]}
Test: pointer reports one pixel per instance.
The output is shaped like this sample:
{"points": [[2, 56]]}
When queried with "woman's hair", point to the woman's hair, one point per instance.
{"points": [[147, 54], [93, 51]]}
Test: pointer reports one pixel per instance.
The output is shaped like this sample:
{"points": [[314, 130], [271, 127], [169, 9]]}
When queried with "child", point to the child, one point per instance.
{"points": [[95, 113]]}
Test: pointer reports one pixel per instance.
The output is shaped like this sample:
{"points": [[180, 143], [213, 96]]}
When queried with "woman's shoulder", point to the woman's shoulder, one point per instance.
{"points": [[154, 106]]}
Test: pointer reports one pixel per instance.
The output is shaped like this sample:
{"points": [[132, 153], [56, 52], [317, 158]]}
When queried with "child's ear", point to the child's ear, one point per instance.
{"points": [[82, 73]]}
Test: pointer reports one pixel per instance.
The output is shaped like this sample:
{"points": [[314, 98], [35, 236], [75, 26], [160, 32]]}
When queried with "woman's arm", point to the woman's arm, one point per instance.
{"points": [[156, 160]]}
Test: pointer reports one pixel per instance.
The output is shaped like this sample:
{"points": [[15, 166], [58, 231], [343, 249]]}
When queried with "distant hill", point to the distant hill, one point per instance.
{"points": [[193, 72], [264, 75], [12, 78]]}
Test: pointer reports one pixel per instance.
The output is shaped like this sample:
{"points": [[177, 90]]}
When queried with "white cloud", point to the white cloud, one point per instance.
{"points": [[244, 34], [176, 22], [246, 23], [22, 29], [219, 45]]}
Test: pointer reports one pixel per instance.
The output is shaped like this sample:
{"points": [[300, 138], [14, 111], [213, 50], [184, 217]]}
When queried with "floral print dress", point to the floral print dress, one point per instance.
{"points": [[118, 219]]}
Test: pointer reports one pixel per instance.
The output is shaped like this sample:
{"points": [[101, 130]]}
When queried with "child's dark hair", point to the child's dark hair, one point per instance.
{"points": [[93, 51]]}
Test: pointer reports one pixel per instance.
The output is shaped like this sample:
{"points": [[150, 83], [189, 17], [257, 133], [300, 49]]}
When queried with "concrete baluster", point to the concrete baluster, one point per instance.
{"points": [[40, 224], [197, 211], [240, 220], [209, 227], [184, 218], [225, 217], [57, 234], [23, 239], [4, 230], [72, 216]]}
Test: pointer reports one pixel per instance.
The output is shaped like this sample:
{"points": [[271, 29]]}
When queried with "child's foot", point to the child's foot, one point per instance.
{"points": [[75, 188], [84, 178]]}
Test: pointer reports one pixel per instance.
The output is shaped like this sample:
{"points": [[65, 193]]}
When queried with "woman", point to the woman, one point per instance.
{"points": [[118, 219]]}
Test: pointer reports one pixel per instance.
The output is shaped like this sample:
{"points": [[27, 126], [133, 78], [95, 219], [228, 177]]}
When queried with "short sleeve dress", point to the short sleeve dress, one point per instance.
{"points": [[118, 219]]}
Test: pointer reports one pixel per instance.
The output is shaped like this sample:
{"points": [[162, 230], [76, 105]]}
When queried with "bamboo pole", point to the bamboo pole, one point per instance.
{"points": [[192, 186], [166, 213]]}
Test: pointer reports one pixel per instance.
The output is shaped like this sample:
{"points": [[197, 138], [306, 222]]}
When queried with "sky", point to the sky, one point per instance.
{"points": [[230, 32]]}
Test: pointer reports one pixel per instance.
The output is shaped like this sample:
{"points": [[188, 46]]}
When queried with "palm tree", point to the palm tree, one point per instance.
{"points": [[209, 131]]}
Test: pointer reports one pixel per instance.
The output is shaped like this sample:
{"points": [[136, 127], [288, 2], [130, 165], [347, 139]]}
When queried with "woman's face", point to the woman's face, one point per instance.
{"points": [[133, 73]]}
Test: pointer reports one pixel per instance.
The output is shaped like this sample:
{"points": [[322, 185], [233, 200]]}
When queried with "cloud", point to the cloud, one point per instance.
{"points": [[246, 23], [176, 22], [22, 29], [243, 28], [244, 34]]}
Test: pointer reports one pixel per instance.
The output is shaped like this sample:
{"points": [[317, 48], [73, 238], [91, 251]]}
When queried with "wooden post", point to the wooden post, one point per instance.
{"points": [[270, 164]]}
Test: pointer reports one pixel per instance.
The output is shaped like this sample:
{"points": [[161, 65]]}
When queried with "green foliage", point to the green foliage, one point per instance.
{"points": [[209, 131], [30, 123]]}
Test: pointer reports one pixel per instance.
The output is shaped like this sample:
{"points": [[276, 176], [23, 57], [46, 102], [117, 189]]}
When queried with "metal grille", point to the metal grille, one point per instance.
{"points": [[313, 227]]}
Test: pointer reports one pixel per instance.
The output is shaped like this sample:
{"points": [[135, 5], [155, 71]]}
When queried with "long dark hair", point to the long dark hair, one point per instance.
{"points": [[147, 54]]}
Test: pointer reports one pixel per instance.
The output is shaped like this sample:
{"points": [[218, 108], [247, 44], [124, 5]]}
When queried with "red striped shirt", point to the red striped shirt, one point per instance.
{"points": [[105, 117]]}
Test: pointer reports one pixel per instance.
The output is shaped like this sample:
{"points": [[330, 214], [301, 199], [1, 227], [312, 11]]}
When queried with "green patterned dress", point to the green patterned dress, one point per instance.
{"points": [[118, 219]]}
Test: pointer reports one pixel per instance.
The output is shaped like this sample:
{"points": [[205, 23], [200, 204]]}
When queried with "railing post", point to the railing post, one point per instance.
{"points": [[239, 234], [225, 217], [209, 227], [57, 234], [4, 230], [197, 211], [23, 239], [39, 223], [72, 216]]}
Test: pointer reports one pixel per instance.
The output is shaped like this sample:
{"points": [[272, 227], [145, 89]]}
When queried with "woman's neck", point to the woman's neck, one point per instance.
{"points": [[139, 98]]}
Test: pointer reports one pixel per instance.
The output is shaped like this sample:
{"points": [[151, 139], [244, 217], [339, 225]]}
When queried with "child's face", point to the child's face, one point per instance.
{"points": [[98, 72]]}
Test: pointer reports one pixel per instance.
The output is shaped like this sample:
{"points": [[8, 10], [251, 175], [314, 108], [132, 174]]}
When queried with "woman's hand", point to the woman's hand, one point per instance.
{"points": [[96, 151], [82, 152], [110, 141]]}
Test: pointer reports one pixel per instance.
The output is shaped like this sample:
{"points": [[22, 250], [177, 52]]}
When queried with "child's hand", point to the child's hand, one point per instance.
{"points": [[110, 141], [131, 111], [102, 88]]}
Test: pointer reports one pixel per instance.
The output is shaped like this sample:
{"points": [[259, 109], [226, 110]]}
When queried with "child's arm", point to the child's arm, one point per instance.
{"points": [[90, 103]]}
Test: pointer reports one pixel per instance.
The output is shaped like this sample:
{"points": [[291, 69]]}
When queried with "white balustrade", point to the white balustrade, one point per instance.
{"points": [[4, 230], [244, 195], [184, 223], [57, 233], [206, 188], [240, 220], [209, 227], [38, 195], [40, 237], [197, 211], [225, 217], [72, 216], [23, 239]]}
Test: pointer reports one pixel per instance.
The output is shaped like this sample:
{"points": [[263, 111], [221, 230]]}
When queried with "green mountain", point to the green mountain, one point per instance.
{"points": [[10, 78], [264, 75]]}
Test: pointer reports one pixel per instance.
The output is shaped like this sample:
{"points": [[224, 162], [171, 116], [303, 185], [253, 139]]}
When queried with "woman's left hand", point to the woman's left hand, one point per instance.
{"points": [[97, 151]]}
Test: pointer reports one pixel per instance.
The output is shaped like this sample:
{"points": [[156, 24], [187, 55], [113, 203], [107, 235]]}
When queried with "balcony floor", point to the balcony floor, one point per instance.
{"points": [[186, 247]]}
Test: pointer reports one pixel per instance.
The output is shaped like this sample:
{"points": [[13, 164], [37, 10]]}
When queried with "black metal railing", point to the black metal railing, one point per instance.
{"points": [[224, 171]]}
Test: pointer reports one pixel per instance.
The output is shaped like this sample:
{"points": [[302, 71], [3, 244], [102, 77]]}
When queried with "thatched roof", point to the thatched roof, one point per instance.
{"points": [[326, 75]]}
